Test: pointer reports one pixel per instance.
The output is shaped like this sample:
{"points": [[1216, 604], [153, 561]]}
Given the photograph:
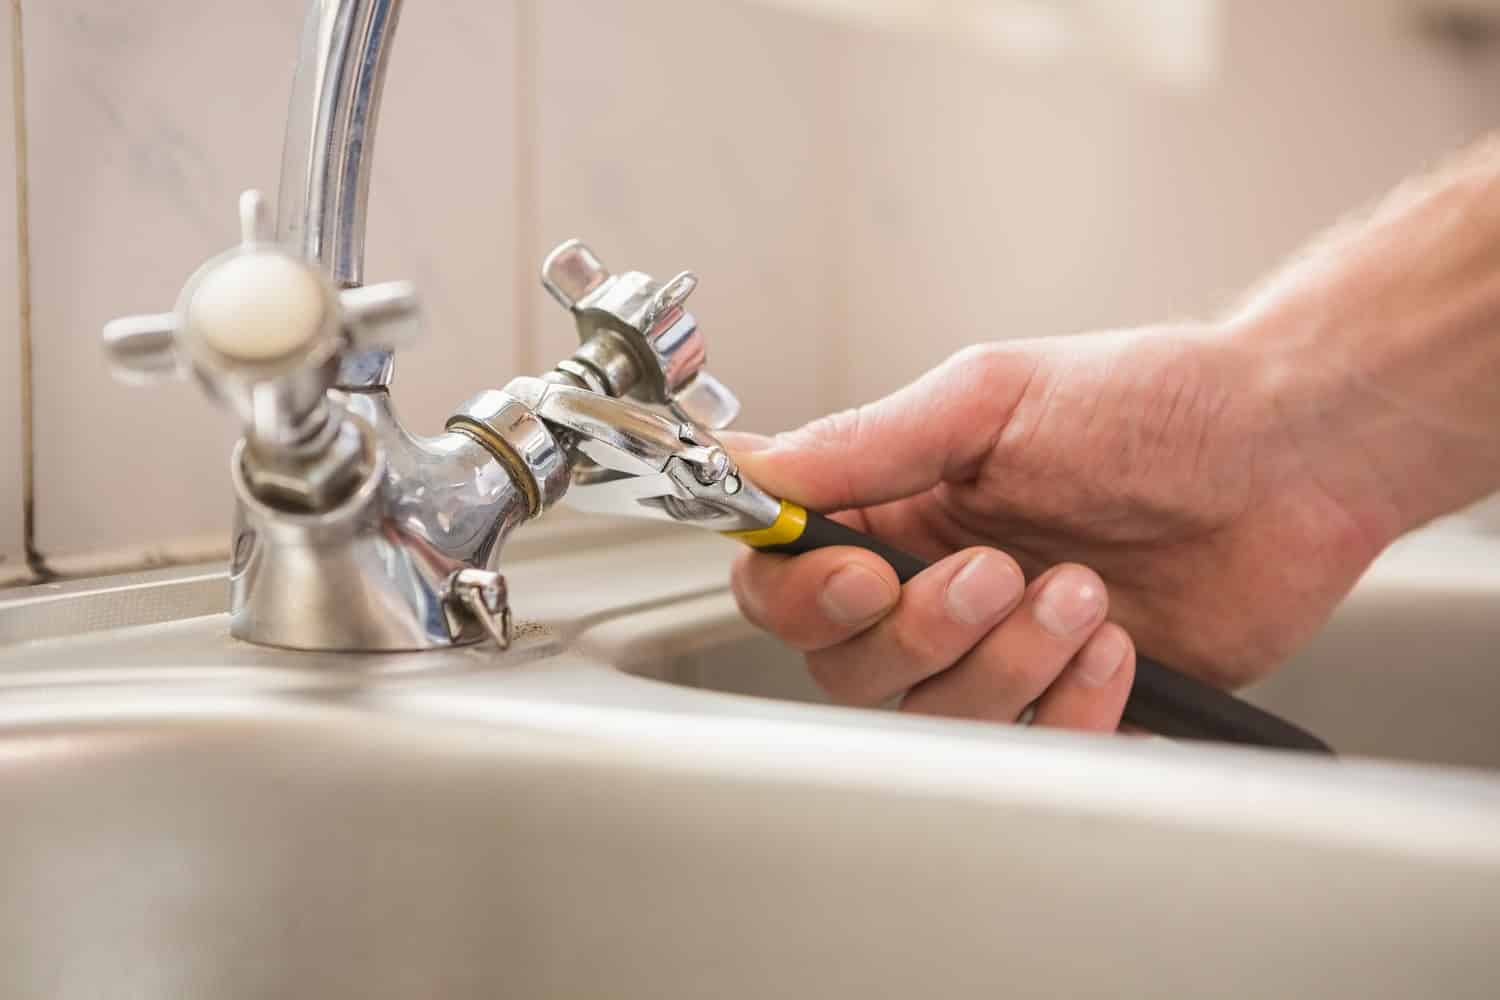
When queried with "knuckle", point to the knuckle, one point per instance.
{"points": [[833, 677], [981, 364], [838, 429], [868, 670], [974, 356], [1016, 675], [858, 682], [916, 644]]}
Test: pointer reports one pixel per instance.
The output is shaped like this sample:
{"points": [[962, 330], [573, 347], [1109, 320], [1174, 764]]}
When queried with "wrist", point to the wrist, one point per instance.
{"points": [[1379, 348], [1392, 416]]}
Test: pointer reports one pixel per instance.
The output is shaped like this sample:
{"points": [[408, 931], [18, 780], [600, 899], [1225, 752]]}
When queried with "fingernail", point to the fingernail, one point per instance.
{"points": [[1101, 658], [1071, 600], [988, 585], [854, 595]]}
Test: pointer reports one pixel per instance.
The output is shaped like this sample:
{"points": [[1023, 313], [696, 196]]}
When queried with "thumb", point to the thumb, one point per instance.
{"points": [[938, 428]]}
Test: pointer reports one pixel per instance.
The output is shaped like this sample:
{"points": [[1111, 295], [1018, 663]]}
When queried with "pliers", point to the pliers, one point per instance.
{"points": [[644, 463]]}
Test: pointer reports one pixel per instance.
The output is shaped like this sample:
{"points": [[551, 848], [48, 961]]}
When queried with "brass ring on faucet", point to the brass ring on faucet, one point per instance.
{"points": [[519, 440]]}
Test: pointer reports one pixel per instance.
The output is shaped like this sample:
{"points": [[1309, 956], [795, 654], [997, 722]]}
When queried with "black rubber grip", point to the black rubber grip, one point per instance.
{"points": [[1162, 700], [823, 532]]}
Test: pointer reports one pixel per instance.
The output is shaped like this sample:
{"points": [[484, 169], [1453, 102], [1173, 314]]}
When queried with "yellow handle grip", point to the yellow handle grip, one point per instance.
{"points": [[790, 522]]}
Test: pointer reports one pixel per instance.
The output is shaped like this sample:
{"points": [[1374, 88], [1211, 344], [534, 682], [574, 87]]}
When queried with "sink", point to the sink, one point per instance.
{"points": [[1408, 667], [643, 798]]}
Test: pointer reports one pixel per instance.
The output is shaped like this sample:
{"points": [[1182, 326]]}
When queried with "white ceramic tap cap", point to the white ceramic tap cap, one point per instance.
{"points": [[257, 306]]}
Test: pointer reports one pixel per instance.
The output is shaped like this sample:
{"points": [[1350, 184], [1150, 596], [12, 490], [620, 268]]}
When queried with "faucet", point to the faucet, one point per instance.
{"points": [[351, 533]]}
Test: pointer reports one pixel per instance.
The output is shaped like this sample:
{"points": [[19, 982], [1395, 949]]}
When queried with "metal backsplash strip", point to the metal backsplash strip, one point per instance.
{"points": [[51, 610]]}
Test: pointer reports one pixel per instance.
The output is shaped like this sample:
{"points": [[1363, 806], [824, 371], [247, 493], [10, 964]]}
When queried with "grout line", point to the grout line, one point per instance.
{"points": [[34, 560], [525, 225]]}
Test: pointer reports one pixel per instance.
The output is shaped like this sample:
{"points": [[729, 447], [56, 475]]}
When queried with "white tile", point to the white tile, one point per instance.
{"points": [[147, 118], [857, 204], [442, 198], [993, 200], [12, 564], [679, 134]]}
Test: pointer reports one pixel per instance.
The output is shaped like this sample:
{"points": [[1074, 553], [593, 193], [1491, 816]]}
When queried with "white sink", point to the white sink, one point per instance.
{"points": [[1409, 666], [186, 815]]}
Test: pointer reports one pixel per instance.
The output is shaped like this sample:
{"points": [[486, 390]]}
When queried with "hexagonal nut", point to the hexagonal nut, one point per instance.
{"points": [[313, 482]]}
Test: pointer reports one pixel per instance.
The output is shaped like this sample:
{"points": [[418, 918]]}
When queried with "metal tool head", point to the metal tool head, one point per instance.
{"points": [[645, 464]]}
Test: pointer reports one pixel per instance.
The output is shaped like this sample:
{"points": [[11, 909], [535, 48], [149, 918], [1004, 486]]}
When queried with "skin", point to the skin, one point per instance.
{"points": [[1209, 492]]}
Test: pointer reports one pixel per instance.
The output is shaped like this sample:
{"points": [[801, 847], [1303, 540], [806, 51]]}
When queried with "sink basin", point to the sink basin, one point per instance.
{"points": [[643, 799], [1409, 666]]}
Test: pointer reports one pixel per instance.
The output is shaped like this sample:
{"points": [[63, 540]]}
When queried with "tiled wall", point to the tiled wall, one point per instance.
{"points": [[989, 201], [858, 203]]}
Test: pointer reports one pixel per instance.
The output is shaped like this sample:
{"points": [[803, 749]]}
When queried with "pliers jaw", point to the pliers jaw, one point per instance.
{"points": [[641, 463]]}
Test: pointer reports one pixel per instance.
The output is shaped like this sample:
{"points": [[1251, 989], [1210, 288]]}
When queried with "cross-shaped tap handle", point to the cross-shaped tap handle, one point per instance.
{"points": [[649, 318], [262, 328]]}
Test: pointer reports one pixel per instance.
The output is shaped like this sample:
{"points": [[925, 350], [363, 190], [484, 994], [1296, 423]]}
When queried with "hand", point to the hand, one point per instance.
{"points": [[1229, 483], [1161, 458], [966, 637]]}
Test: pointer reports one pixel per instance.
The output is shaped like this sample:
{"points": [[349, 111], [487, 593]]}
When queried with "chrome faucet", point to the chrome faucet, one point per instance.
{"points": [[351, 533]]}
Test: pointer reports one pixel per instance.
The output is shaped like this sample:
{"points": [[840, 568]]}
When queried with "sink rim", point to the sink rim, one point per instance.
{"points": [[576, 687], [582, 708]]}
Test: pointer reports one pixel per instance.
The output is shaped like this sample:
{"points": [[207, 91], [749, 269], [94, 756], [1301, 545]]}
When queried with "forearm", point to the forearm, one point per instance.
{"points": [[1380, 347]]}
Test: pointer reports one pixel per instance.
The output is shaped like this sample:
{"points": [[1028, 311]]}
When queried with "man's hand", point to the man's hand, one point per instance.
{"points": [[1155, 457], [1228, 483]]}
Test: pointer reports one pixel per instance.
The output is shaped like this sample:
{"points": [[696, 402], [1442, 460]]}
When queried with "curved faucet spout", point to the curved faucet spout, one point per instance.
{"points": [[330, 137]]}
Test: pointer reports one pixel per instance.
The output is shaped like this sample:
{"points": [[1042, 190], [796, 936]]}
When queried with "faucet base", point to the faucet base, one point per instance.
{"points": [[347, 579]]}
